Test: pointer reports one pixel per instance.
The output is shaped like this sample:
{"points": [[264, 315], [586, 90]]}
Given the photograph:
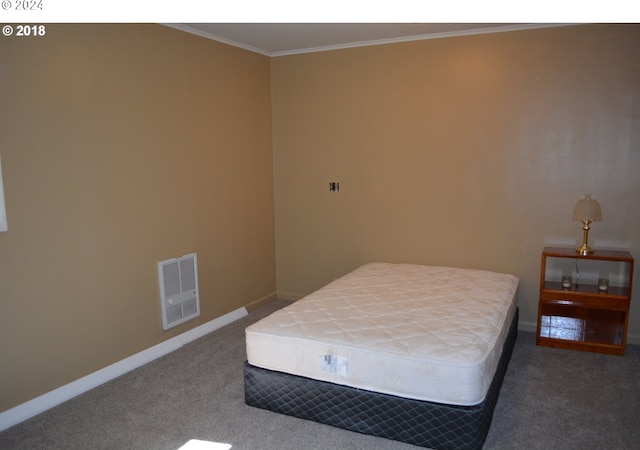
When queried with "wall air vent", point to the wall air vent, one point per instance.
{"points": [[179, 295]]}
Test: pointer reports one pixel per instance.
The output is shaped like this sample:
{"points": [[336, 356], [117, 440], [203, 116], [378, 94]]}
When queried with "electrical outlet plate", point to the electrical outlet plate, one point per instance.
{"points": [[3, 211]]}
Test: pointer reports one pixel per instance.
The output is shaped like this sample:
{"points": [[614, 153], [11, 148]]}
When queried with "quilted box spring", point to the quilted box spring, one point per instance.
{"points": [[416, 422]]}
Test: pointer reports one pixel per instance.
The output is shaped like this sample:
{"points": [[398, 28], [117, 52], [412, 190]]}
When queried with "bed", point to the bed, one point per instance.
{"points": [[407, 352]]}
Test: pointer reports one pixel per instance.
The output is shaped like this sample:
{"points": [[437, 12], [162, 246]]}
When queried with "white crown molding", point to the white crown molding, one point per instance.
{"points": [[419, 38], [213, 37], [500, 29]]}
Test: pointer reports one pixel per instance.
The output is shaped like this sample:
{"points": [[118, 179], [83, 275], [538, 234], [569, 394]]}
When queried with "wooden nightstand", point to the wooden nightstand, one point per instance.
{"points": [[581, 317]]}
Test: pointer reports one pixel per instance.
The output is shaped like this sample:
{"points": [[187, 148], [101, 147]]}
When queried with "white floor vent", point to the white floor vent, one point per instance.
{"points": [[179, 295]]}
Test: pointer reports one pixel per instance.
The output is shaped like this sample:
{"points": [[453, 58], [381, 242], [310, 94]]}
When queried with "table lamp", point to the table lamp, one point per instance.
{"points": [[587, 210]]}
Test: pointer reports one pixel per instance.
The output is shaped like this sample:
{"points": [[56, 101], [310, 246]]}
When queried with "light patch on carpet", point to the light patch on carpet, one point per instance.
{"points": [[197, 444]]}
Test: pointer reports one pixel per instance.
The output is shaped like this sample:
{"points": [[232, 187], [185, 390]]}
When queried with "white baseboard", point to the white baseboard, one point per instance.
{"points": [[53, 398], [289, 296], [261, 301], [528, 326]]}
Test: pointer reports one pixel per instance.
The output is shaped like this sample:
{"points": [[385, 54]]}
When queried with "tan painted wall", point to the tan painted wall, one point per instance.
{"points": [[124, 145], [467, 151]]}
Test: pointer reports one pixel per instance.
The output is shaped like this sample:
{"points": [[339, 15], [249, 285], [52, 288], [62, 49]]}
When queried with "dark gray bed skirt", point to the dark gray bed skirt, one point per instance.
{"points": [[416, 422]]}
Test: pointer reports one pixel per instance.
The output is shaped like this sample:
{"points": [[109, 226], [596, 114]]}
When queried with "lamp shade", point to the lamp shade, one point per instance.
{"points": [[587, 209]]}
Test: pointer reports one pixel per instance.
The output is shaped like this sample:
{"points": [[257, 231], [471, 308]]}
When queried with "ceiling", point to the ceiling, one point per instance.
{"points": [[277, 39]]}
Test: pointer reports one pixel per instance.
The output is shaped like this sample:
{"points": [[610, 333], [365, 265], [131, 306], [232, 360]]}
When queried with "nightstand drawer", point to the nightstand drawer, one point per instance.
{"points": [[586, 301]]}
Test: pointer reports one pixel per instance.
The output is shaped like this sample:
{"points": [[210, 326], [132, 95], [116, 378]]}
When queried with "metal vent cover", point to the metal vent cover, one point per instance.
{"points": [[179, 295]]}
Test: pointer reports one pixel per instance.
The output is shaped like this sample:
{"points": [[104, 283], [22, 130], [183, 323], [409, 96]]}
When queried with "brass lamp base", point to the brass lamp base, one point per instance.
{"points": [[584, 249]]}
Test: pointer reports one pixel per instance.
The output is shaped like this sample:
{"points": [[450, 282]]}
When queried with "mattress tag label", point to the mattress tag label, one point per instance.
{"points": [[334, 364]]}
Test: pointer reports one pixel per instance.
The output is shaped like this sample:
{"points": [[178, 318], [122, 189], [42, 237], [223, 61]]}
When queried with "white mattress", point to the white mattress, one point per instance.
{"points": [[421, 332]]}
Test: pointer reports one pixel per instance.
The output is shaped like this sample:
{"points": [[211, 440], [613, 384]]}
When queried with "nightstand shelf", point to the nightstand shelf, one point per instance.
{"points": [[581, 317]]}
